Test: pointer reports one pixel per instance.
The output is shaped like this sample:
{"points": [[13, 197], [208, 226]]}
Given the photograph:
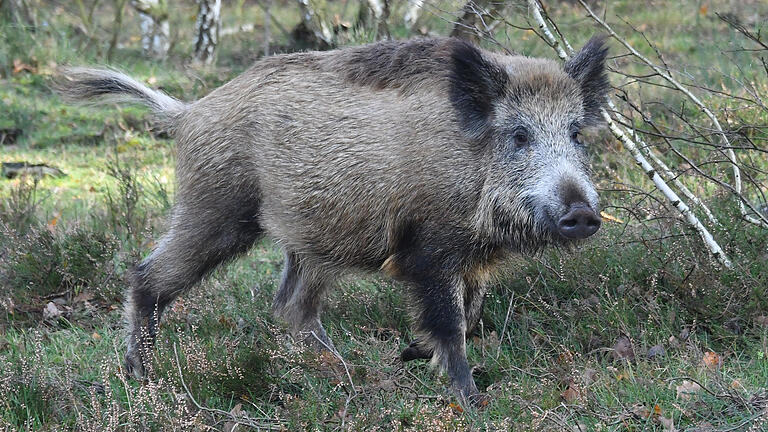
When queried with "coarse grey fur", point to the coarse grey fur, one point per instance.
{"points": [[430, 160]]}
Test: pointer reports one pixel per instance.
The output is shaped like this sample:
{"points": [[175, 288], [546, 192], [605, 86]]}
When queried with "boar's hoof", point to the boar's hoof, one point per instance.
{"points": [[479, 400], [579, 223], [415, 351], [314, 336], [134, 367]]}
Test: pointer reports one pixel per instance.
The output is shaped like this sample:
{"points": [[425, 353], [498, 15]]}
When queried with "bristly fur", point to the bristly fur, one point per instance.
{"points": [[367, 158], [587, 67]]}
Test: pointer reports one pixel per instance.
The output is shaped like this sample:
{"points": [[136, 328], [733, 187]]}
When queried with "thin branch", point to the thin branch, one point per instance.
{"points": [[268, 424], [760, 220]]}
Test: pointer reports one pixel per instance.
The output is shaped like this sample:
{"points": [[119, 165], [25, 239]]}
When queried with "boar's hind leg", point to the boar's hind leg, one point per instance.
{"points": [[200, 238], [298, 302]]}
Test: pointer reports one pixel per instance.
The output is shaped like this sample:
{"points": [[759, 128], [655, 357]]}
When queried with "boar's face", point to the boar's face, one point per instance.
{"points": [[527, 114]]}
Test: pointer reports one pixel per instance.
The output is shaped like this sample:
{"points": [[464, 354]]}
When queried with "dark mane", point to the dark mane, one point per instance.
{"points": [[399, 64]]}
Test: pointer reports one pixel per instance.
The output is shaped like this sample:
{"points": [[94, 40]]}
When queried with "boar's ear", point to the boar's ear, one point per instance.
{"points": [[475, 83], [587, 67]]}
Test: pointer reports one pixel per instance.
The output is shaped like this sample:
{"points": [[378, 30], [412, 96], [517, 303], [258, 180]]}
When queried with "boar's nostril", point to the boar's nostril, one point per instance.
{"points": [[580, 222]]}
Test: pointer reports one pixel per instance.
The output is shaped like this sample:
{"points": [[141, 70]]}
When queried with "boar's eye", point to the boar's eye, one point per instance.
{"points": [[520, 138], [575, 137]]}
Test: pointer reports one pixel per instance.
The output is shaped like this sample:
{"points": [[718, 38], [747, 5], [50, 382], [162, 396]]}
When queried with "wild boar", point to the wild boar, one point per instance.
{"points": [[429, 160]]}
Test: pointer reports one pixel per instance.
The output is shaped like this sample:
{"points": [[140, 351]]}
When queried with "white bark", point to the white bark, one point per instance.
{"points": [[207, 30], [630, 145], [314, 24], [412, 13], [155, 30], [380, 9]]}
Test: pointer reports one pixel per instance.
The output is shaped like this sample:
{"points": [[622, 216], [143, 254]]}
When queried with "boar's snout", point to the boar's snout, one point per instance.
{"points": [[579, 223]]}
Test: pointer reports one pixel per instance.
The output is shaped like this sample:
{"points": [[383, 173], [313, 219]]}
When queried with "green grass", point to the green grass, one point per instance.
{"points": [[543, 353]]}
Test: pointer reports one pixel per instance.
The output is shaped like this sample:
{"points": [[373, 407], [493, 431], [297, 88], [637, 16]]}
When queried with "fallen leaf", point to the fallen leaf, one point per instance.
{"points": [[703, 9], [687, 390], [639, 411], [83, 297], [456, 407], [571, 394], [229, 426], [711, 360], [667, 423], [96, 336], [590, 376], [52, 223], [623, 350], [19, 66]]}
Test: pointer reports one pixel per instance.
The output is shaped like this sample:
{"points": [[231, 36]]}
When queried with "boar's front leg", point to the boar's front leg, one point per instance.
{"points": [[441, 327], [474, 296]]}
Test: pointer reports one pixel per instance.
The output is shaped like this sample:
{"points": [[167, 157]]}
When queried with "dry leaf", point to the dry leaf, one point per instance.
{"points": [[96, 336], [52, 224], [456, 407], [639, 411], [687, 389], [590, 376], [703, 9], [83, 297], [571, 394], [236, 412], [711, 360], [667, 424], [19, 66]]}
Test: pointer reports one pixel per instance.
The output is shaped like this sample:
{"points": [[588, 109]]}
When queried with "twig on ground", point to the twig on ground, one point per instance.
{"points": [[258, 423]]}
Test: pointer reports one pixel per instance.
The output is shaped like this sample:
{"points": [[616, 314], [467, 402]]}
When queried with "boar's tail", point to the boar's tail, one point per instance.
{"points": [[105, 85]]}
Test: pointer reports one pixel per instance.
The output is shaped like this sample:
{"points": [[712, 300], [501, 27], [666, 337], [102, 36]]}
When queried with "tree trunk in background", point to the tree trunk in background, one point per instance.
{"points": [[19, 12], [119, 6], [380, 9], [312, 31], [469, 23], [207, 30], [412, 13], [155, 30]]}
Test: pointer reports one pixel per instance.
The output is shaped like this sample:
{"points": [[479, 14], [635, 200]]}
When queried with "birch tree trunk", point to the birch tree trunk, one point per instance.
{"points": [[312, 30], [207, 30], [412, 13], [380, 9], [155, 30], [476, 16]]}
